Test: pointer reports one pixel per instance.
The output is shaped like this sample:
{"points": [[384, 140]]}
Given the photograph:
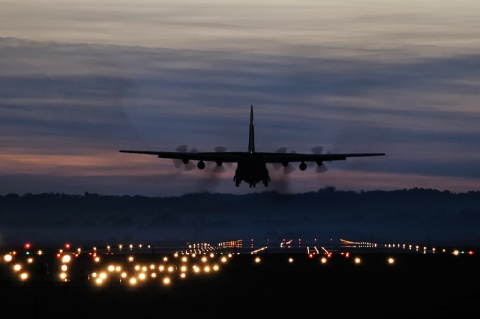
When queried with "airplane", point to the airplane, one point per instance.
{"points": [[252, 165]]}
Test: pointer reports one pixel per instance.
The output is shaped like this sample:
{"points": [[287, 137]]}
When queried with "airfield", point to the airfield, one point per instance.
{"points": [[239, 278]]}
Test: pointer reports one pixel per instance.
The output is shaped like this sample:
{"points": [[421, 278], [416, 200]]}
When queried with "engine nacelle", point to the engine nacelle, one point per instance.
{"points": [[302, 166], [201, 164]]}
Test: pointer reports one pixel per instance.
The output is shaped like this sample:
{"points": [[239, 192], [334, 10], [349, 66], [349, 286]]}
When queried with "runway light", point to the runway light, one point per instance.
{"points": [[166, 281], [391, 260], [8, 258]]}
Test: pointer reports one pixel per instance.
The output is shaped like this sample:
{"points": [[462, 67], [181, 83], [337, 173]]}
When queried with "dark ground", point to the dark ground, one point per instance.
{"points": [[417, 285]]}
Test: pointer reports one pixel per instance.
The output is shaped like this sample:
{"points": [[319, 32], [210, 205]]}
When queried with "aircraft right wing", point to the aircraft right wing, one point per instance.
{"points": [[294, 157]]}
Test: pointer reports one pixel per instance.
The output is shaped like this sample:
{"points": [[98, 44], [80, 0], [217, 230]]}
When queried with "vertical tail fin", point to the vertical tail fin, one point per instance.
{"points": [[251, 137]]}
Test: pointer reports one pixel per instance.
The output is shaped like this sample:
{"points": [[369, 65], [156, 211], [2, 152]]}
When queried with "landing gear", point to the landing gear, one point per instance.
{"points": [[266, 180]]}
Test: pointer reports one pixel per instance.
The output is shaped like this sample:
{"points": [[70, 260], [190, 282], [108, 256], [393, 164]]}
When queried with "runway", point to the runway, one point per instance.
{"points": [[220, 281]]}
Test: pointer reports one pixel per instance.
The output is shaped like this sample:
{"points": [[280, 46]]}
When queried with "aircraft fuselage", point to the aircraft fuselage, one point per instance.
{"points": [[252, 169]]}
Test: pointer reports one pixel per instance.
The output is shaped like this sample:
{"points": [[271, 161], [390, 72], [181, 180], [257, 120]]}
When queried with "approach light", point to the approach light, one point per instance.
{"points": [[166, 281]]}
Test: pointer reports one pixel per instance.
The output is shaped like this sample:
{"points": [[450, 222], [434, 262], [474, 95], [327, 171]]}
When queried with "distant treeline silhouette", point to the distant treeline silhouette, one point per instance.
{"points": [[406, 213]]}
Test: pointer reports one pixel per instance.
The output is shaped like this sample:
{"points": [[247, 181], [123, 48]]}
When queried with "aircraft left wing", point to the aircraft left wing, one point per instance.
{"points": [[219, 157]]}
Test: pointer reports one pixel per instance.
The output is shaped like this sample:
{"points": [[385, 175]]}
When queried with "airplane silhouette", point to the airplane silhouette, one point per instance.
{"points": [[251, 165]]}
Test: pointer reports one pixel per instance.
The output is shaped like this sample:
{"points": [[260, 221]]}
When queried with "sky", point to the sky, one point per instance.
{"points": [[80, 80]]}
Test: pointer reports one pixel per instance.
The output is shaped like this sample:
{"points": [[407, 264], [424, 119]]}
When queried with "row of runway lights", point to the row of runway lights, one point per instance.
{"points": [[167, 270]]}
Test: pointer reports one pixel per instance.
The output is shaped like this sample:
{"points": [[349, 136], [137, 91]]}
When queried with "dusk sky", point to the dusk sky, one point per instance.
{"points": [[80, 80]]}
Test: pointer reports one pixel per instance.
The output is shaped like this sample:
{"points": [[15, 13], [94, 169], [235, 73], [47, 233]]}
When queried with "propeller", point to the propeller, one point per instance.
{"points": [[215, 168], [179, 163], [322, 167], [218, 167], [287, 167]]}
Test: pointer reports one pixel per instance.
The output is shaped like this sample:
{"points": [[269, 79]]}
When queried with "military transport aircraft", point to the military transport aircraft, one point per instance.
{"points": [[251, 165]]}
